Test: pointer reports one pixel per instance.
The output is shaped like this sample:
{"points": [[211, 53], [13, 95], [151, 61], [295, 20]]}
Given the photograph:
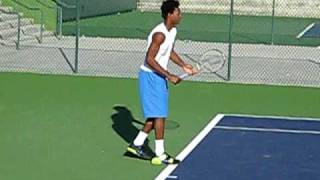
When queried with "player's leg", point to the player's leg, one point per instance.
{"points": [[148, 126], [136, 147], [161, 156], [143, 133], [146, 100], [159, 134]]}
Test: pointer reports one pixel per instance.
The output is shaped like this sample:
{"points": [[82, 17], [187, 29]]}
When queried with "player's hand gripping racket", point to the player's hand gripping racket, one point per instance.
{"points": [[209, 62]]}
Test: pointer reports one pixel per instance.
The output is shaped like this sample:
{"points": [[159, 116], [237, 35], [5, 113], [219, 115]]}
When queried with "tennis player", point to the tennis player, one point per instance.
{"points": [[153, 77]]}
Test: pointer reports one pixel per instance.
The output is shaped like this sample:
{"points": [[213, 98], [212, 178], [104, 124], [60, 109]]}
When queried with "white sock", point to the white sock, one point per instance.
{"points": [[141, 137], [159, 150]]}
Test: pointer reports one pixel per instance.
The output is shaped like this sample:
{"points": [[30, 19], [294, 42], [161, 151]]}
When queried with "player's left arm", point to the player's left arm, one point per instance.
{"points": [[188, 68]]}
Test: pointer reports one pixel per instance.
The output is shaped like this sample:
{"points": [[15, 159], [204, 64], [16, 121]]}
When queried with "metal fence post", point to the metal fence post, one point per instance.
{"points": [[19, 31], [272, 21], [59, 22], [77, 35], [230, 40], [41, 25]]}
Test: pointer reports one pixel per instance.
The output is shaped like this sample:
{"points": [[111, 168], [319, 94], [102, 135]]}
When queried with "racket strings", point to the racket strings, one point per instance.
{"points": [[211, 63], [208, 63]]}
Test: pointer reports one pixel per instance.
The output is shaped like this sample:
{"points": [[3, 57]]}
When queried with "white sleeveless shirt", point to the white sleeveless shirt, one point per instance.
{"points": [[165, 48]]}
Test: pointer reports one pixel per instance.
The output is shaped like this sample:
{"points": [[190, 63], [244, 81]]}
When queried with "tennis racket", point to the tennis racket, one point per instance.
{"points": [[209, 62]]}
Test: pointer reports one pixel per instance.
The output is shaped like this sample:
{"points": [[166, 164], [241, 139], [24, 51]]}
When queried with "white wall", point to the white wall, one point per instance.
{"points": [[292, 8]]}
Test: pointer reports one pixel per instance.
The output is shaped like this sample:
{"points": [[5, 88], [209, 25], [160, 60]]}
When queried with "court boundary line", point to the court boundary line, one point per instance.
{"points": [[278, 130], [296, 118], [273, 130], [305, 30], [165, 173]]}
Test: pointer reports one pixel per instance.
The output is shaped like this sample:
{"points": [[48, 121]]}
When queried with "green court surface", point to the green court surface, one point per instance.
{"points": [[198, 27], [77, 128]]}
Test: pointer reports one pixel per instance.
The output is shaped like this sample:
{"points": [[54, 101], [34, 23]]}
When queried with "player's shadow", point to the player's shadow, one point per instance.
{"points": [[123, 125]]}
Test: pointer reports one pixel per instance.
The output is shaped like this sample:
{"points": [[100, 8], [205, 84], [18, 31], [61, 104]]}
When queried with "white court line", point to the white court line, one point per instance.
{"points": [[305, 30], [294, 131], [275, 117], [172, 177], [183, 154]]}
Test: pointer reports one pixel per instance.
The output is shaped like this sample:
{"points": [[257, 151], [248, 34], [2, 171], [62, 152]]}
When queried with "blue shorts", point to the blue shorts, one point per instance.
{"points": [[153, 95]]}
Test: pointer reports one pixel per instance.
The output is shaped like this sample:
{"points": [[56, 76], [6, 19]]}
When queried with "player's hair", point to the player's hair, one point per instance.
{"points": [[168, 6]]}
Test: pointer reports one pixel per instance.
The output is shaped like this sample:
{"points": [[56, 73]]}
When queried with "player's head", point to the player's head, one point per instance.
{"points": [[170, 9]]}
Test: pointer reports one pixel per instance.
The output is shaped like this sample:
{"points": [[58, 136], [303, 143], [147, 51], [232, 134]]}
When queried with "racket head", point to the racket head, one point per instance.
{"points": [[211, 61]]}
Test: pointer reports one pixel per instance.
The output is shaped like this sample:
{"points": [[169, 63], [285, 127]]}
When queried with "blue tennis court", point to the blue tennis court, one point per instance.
{"points": [[311, 31], [251, 147]]}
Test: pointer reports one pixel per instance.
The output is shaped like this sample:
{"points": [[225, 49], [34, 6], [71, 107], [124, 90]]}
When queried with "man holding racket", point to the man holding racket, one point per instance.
{"points": [[153, 77]]}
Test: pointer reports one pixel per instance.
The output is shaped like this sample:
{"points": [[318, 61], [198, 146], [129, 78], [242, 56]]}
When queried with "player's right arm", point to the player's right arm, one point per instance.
{"points": [[157, 39]]}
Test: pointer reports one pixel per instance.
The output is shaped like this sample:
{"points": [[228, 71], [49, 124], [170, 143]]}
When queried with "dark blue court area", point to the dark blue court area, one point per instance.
{"points": [[255, 148], [312, 31]]}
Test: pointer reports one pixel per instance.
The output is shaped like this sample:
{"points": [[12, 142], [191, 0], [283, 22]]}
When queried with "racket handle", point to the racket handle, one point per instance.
{"points": [[183, 76]]}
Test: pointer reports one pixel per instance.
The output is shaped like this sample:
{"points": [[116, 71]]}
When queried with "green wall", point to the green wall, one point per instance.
{"points": [[90, 8], [48, 7]]}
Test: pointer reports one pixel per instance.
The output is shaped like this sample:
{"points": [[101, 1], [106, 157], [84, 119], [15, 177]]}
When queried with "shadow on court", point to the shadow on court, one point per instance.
{"points": [[123, 125]]}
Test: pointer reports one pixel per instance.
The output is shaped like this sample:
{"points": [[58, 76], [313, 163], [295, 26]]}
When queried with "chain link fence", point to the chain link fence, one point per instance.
{"points": [[259, 37], [283, 8]]}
